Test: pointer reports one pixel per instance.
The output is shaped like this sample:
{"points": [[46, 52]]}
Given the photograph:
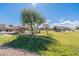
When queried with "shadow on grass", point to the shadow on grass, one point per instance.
{"points": [[27, 42]]}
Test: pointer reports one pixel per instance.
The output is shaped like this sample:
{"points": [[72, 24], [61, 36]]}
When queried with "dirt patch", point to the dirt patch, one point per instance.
{"points": [[6, 51]]}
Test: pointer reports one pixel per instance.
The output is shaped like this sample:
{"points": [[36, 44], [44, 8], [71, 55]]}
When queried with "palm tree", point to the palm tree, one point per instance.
{"points": [[31, 17]]}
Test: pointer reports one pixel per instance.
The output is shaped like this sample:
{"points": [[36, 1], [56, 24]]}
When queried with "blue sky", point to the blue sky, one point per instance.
{"points": [[54, 13]]}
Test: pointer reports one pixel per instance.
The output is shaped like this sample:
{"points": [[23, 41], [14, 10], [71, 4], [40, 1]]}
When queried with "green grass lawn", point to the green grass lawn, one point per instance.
{"points": [[68, 44], [58, 44], [5, 39]]}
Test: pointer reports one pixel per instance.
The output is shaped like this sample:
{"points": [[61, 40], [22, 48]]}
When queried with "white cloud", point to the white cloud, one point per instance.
{"points": [[61, 20], [68, 23], [48, 20], [55, 24]]}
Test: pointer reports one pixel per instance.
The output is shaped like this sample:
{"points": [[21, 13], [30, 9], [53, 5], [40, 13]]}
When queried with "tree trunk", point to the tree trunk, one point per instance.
{"points": [[31, 29], [31, 25]]}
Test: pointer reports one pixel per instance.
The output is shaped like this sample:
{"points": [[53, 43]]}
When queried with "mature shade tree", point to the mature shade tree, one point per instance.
{"points": [[31, 17], [77, 27], [11, 25], [56, 28]]}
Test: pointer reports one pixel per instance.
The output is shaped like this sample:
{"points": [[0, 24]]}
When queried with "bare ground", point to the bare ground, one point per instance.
{"points": [[6, 51]]}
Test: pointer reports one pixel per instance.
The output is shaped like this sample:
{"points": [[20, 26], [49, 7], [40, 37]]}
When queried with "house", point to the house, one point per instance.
{"points": [[2, 27], [11, 29]]}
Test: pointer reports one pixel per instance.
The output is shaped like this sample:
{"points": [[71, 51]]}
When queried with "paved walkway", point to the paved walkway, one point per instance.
{"points": [[6, 51]]}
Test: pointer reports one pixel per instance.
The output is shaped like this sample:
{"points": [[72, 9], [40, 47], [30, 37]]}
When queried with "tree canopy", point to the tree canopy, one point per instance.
{"points": [[32, 17]]}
